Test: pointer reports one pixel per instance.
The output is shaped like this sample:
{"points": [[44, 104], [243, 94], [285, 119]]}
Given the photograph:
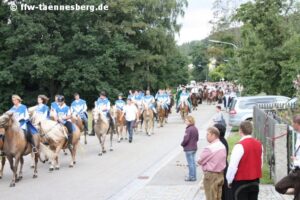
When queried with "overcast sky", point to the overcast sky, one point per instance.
{"points": [[195, 24]]}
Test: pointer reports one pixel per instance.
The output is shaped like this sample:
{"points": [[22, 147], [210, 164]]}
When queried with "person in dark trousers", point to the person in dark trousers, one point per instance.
{"points": [[226, 192], [189, 145], [245, 167]]}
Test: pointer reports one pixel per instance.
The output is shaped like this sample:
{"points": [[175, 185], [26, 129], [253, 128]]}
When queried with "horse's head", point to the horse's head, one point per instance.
{"points": [[98, 116], [7, 120]]}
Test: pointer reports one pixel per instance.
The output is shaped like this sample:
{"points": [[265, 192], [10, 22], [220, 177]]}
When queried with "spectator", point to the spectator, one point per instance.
{"points": [[290, 184], [219, 118], [245, 167], [131, 116], [189, 145], [213, 163], [226, 193]]}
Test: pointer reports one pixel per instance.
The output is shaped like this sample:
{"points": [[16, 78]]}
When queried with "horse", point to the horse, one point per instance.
{"points": [[148, 116], [184, 109], [55, 135], [79, 123], [102, 127], [194, 100], [120, 123], [15, 146], [161, 114]]}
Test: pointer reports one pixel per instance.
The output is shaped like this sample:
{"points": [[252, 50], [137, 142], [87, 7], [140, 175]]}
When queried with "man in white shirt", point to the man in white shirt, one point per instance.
{"points": [[131, 115], [290, 183], [245, 167]]}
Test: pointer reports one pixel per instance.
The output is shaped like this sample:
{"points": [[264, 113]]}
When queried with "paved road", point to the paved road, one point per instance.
{"points": [[116, 175]]}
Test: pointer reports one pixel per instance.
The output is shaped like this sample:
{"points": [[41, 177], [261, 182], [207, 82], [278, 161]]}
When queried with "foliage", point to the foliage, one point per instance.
{"points": [[131, 46]]}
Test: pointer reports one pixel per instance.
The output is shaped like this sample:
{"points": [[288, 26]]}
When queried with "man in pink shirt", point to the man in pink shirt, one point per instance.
{"points": [[213, 163]]}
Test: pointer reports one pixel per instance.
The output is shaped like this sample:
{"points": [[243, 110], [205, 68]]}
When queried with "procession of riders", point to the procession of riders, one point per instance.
{"points": [[41, 130]]}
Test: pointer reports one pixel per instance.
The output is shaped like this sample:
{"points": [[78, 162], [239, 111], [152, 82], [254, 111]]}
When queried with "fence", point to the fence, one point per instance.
{"points": [[278, 141]]}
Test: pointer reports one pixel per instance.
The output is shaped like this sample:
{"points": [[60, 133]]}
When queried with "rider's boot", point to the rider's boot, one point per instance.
{"points": [[31, 141], [85, 124]]}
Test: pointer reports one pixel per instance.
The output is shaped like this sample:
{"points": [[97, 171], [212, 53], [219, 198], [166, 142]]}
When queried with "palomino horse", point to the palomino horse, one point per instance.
{"points": [[161, 114], [194, 100], [15, 146], [120, 124], [184, 109], [55, 134], [79, 123], [148, 116], [102, 128]]}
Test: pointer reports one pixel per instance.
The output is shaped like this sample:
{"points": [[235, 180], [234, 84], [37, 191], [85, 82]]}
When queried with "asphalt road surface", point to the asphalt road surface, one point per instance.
{"points": [[115, 175]]}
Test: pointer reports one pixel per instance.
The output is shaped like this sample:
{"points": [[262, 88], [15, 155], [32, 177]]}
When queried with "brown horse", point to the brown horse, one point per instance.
{"points": [[15, 146], [161, 114], [184, 109], [290, 184], [120, 124], [79, 123], [194, 100], [102, 128], [148, 117], [212, 96]]}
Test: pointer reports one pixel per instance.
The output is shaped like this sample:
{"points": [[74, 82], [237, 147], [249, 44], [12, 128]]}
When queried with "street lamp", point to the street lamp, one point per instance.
{"points": [[221, 42]]}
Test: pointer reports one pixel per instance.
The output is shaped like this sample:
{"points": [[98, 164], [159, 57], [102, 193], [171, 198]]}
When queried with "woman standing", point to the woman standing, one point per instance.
{"points": [[189, 145]]}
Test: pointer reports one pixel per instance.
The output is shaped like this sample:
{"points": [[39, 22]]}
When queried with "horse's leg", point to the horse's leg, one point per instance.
{"points": [[119, 133], [111, 141], [21, 168], [17, 161], [100, 142], [73, 155], [36, 159], [2, 166], [11, 163], [32, 160], [103, 143]]}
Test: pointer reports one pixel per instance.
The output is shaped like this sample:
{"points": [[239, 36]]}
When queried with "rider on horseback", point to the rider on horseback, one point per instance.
{"points": [[79, 109], [149, 101], [21, 114], [120, 103], [63, 116], [184, 96], [42, 110], [103, 105], [162, 98]]}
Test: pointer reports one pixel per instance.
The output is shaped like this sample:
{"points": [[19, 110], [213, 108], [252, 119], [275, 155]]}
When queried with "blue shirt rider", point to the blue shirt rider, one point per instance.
{"points": [[103, 105], [161, 98], [120, 103], [184, 97], [138, 99], [79, 109], [42, 110], [21, 114], [54, 105], [63, 116]]}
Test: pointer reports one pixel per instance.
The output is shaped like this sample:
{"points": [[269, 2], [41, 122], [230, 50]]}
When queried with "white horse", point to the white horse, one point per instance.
{"points": [[102, 128], [55, 134]]}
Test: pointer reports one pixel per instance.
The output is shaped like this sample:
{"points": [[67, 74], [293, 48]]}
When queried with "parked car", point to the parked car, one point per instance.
{"points": [[241, 108]]}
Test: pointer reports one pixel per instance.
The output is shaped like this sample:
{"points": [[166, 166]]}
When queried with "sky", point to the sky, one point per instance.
{"points": [[195, 23]]}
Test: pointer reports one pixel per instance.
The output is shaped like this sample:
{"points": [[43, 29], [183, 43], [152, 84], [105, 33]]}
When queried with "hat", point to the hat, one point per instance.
{"points": [[120, 94], [15, 96], [61, 99]]}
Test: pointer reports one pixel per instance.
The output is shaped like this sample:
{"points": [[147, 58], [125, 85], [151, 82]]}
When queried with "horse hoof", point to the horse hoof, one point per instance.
{"points": [[51, 169], [119, 141], [111, 150], [20, 177], [12, 185], [70, 166], [0, 177], [66, 153], [99, 154], [85, 142], [56, 168], [34, 176], [103, 151], [32, 166], [74, 162]]}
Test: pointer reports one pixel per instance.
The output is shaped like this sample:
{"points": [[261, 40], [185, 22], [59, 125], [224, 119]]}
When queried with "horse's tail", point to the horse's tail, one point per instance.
{"points": [[47, 152]]}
